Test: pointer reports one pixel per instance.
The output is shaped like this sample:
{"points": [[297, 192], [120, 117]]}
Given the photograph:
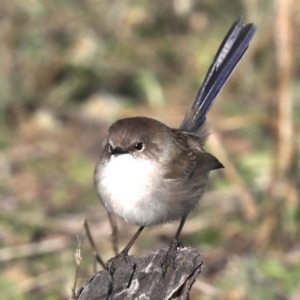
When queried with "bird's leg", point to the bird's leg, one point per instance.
{"points": [[172, 251], [175, 241], [114, 232], [125, 251], [113, 262]]}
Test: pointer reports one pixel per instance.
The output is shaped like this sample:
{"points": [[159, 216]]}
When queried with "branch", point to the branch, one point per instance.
{"points": [[142, 278]]}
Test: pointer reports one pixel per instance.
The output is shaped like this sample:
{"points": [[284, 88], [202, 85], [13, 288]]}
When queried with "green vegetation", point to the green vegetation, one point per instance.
{"points": [[70, 68]]}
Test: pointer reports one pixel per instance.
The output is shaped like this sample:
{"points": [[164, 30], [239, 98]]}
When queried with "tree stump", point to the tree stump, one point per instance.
{"points": [[143, 278]]}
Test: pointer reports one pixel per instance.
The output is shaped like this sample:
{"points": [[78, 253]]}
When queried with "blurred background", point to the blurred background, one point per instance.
{"points": [[68, 69]]}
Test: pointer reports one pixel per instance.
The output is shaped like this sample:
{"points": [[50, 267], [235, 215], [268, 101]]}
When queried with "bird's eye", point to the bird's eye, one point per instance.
{"points": [[110, 148], [139, 146]]}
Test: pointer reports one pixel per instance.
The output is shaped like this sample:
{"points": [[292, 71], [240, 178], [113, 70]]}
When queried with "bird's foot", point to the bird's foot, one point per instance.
{"points": [[114, 262], [170, 256]]}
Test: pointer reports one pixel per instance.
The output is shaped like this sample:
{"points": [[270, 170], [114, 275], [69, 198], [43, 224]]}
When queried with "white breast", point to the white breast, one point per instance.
{"points": [[125, 186]]}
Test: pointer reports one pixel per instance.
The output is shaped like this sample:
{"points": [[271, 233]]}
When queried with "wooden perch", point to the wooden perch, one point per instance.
{"points": [[142, 278]]}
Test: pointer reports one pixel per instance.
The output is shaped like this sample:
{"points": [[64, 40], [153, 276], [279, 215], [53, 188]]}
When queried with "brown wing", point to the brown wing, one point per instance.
{"points": [[188, 159]]}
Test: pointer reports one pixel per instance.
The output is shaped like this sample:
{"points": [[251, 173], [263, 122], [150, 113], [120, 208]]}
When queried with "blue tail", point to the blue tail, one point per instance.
{"points": [[232, 49]]}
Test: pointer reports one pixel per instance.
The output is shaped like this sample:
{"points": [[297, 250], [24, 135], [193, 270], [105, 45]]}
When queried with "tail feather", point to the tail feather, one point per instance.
{"points": [[232, 49]]}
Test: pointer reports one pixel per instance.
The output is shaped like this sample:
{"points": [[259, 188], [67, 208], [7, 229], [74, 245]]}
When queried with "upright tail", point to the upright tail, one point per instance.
{"points": [[232, 49]]}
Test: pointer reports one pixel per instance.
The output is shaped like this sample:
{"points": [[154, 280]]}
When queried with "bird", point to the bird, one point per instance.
{"points": [[150, 174]]}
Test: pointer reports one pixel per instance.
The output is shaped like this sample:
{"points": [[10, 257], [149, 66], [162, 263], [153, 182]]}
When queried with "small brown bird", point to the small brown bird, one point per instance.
{"points": [[149, 173]]}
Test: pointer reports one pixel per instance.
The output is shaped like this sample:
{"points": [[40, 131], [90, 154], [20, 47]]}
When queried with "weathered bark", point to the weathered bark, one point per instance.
{"points": [[142, 278]]}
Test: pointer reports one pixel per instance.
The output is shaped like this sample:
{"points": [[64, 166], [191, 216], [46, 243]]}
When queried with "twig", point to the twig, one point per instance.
{"points": [[78, 259], [93, 245]]}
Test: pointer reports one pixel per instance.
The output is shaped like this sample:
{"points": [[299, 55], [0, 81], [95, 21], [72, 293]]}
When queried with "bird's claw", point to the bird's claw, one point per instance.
{"points": [[170, 256], [112, 263]]}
